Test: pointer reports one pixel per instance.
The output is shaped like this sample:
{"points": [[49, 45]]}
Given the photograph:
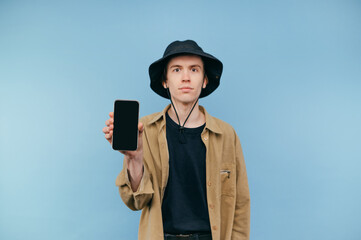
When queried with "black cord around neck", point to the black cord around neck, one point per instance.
{"points": [[181, 127]]}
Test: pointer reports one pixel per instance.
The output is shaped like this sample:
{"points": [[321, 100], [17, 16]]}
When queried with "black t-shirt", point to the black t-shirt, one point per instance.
{"points": [[184, 207]]}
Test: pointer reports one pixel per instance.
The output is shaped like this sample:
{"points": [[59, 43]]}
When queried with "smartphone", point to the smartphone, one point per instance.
{"points": [[125, 132]]}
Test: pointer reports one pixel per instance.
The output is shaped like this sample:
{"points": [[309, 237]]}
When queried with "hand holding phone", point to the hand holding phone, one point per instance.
{"points": [[134, 159]]}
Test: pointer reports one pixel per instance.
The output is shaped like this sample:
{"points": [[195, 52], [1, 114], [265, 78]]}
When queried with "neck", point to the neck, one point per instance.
{"points": [[196, 118]]}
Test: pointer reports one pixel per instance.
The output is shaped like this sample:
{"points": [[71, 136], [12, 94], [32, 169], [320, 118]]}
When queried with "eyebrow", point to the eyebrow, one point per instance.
{"points": [[173, 66], [195, 65]]}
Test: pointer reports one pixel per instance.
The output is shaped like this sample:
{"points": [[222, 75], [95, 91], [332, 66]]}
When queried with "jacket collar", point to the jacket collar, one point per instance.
{"points": [[211, 123]]}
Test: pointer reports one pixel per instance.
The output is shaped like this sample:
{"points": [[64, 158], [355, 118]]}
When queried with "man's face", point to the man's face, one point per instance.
{"points": [[185, 78]]}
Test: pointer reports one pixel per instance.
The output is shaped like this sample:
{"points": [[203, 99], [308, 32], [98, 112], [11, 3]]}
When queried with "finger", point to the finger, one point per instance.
{"points": [[111, 114], [105, 130], [140, 136], [109, 135], [140, 127], [109, 121]]}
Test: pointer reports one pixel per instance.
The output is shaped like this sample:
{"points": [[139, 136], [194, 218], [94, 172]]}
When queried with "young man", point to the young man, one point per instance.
{"points": [[188, 174]]}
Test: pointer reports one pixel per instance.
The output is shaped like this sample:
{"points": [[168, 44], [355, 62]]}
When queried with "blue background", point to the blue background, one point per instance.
{"points": [[290, 87]]}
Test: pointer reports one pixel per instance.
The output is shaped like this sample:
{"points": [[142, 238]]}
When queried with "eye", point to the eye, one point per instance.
{"points": [[194, 69], [176, 70]]}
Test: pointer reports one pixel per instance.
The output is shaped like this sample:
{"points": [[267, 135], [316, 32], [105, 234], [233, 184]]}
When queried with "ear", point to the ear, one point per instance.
{"points": [[205, 81], [164, 83]]}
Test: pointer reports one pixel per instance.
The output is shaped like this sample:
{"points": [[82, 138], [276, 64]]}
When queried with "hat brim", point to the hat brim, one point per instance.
{"points": [[213, 70]]}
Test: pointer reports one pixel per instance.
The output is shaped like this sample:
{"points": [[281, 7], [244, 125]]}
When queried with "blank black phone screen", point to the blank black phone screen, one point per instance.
{"points": [[125, 132]]}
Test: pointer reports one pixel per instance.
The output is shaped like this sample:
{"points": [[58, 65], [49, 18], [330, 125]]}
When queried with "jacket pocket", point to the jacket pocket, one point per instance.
{"points": [[228, 178]]}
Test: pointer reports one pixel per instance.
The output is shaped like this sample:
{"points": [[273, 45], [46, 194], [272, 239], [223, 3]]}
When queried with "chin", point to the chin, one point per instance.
{"points": [[186, 99]]}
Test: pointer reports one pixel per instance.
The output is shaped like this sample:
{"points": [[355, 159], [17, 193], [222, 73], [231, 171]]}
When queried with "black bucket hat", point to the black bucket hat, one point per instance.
{"points": [[213, 67]]}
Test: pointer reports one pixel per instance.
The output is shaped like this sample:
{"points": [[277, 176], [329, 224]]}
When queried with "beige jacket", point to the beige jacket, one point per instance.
{"points": [[227, 187]]}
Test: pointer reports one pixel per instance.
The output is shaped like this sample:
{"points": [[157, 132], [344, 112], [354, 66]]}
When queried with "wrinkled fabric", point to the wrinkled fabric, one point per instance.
{"points": [[226, 178]]}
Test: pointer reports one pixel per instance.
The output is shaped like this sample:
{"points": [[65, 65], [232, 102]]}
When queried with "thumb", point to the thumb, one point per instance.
{"points": [[140, 127]]}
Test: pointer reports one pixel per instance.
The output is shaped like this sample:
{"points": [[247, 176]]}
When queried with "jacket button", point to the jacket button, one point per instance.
{"points": [[211, 206], [214, 227], [205, 138], [209, 183]]}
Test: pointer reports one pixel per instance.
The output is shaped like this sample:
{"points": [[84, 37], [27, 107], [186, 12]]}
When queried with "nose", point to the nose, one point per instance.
{"points": [[186, 76]]}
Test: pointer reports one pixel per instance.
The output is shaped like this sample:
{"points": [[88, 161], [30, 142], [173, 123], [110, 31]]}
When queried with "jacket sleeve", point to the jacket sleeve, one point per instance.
{"points": [[144, 194], [241, 224]]}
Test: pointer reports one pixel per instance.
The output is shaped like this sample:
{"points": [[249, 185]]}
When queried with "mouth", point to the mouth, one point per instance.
{"points": [[185, 89]]}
